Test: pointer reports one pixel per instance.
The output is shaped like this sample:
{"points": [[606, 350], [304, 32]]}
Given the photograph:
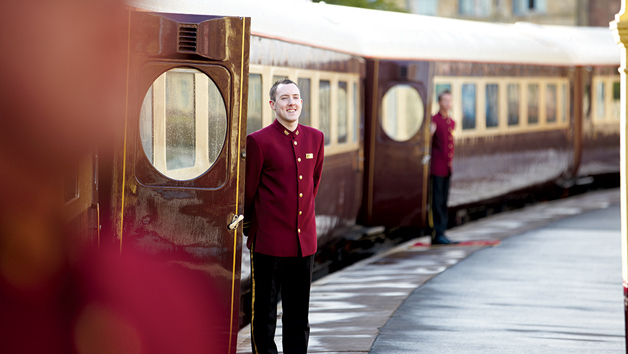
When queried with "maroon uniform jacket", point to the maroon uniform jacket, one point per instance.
{"points": [[442, 145], [283, 171]]}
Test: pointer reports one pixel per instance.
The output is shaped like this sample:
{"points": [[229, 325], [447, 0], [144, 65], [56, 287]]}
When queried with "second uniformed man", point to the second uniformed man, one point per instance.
{"points": [[442, 129], [284, 162]]}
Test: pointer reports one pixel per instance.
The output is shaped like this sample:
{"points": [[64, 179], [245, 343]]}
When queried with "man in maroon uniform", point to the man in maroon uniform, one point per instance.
{"points": [[442, 129], [283, 170]]}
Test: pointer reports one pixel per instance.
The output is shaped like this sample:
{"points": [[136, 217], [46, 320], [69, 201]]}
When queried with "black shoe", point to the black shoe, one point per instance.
{"points": [[442, 240]]}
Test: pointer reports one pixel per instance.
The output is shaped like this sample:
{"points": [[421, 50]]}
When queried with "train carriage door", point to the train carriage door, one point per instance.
{"points": [[396, 144], [178, 195]]}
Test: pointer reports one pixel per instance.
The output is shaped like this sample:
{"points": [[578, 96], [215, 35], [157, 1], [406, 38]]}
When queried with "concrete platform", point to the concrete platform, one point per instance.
{"points": [[553, 286]]}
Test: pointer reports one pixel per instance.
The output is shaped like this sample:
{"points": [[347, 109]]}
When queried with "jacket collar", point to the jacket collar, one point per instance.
{"points": [[285, 131]]}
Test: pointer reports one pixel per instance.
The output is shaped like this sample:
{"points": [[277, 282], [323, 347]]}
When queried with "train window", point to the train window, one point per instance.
{"points": [[599, 100], [513, 104], [402, 112], [355, 112], [306, 110], [183, 123], [616, 99], [533, 103], [550, 103], [492, 105], [181, 128], [342, 112], [468, 106], [324, 109], [254, 112]]}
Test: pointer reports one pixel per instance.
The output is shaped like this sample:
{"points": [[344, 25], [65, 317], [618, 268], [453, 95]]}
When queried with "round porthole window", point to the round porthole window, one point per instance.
{"points": [[183, 123], [402, 112]]}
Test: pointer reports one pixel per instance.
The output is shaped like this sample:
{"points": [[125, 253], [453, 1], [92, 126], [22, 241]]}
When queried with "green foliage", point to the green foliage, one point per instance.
{"points": [[386, 5]]}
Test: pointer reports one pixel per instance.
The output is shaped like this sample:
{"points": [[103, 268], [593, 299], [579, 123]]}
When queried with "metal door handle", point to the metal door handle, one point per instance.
{"points": [[426, 159], [235, 221]]}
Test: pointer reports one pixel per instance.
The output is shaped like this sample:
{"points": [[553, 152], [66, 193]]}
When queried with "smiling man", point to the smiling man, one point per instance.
{"points": [[283, 169]]}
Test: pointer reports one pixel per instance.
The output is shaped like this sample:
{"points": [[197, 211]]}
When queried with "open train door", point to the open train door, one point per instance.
{"points": [[179, 172], [397, 143]]}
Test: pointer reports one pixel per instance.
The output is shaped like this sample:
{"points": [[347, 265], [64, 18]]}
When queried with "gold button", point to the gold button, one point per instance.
{"points": [[450, 154], [300, 212], [451, 146], [299, 159], [300, 194], [295, 143], [299, 230], [300, 177], [451, 137], [449, 164]]}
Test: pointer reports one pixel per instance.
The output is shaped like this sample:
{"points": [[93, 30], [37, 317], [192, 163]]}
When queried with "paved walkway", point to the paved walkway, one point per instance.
{"points": [[553, 286]]}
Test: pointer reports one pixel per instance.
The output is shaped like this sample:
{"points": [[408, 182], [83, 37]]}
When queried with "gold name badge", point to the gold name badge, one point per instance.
{"points": [[309, 156]]}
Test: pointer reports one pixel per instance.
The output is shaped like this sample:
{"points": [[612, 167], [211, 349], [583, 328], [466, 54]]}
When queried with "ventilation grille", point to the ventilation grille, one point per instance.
{"points": [[187, 39]]}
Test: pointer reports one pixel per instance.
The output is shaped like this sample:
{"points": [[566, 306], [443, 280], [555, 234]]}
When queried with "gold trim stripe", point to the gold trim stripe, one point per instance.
{"points": [[235, 232]]}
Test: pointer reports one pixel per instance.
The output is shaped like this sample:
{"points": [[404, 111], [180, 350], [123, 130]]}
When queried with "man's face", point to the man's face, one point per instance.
{"points": [[287, 104], [445, 103]]}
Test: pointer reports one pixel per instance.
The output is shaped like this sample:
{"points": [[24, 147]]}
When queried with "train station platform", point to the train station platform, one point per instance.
{"points": [[553, 284]]}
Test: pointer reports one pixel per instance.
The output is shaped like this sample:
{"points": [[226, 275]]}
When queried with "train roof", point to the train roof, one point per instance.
{"points": [[399, 36], [584, 45]]}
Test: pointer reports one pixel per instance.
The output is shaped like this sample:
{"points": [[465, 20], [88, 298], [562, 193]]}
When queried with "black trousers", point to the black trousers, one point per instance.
{"points": [[291, 277], [440, 194]]}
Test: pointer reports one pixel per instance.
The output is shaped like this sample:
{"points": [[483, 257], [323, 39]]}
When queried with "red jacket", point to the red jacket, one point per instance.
{"points": [[443, 145], [283, 171]]}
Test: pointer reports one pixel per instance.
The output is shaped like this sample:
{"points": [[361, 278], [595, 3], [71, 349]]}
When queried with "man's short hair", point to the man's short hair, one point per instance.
{"points": [[273, 90], [444, 92]]}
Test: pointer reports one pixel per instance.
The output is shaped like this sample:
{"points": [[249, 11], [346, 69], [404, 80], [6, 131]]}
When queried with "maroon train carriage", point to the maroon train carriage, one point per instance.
{"points": [[514, 90], [595, 95], [516, 102]]}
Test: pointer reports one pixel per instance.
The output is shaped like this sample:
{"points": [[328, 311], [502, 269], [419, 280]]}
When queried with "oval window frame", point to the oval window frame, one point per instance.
{"points": [[198, 171], [386, 128]]}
